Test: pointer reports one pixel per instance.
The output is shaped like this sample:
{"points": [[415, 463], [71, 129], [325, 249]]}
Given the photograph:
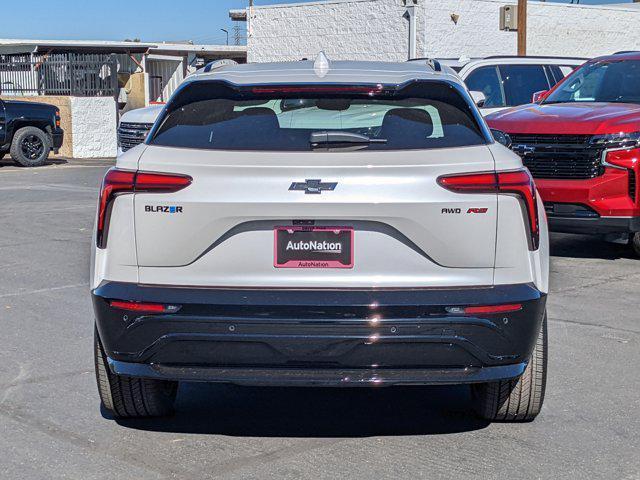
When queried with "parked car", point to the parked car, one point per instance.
{"points": [[29, 131], [508, 81], [135, 125], [268, 232], [581, 142]]}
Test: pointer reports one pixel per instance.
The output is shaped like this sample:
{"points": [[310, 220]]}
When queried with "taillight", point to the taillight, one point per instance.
{"points": [[517, 182], [117, 182], [487, 309], [325, 89], [140, 307], [114, 183], [484, 309]]}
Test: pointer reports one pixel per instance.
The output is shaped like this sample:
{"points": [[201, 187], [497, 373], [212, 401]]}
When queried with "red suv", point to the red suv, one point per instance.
{"points": [[581, 142]]}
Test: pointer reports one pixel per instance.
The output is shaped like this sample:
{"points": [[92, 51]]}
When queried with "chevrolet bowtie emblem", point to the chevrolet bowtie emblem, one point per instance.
{"points": [[524, 150], [313, 186]]}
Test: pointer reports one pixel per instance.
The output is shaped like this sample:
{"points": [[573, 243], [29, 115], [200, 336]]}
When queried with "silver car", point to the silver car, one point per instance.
{"points": [[320, 223]]}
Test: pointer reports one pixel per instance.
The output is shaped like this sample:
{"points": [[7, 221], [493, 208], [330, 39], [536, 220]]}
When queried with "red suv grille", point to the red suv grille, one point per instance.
{"points": [[559, 156]]}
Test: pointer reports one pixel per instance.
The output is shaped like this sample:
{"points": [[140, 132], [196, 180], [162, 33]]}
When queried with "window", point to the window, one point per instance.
{"points": [[615, 81], [213, 115], [487, 81], [554, 74], [566, 69], [521, 82]]}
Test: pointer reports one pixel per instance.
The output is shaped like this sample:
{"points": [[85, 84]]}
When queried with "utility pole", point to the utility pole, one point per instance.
{"points": [[410, 15], [249, 15], [227, 32], [522, 27]]}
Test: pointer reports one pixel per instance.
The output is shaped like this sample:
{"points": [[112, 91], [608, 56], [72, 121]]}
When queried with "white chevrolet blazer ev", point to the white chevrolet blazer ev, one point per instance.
{"points": [[320, 223]]}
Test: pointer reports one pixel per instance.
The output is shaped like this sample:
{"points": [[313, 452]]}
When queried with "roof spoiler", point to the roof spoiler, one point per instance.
{"points": [[216, 64], [431, 62]]}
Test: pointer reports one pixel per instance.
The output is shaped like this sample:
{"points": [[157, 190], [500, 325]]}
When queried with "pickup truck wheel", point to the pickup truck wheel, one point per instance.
{"points": [[30, 147], [519, 399], [130, 397], [635, 243]]}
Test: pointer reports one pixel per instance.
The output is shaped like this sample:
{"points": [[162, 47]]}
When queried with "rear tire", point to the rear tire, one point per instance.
{"points": [[634, 242], [130, 397], [30, 147], [519, 399]]}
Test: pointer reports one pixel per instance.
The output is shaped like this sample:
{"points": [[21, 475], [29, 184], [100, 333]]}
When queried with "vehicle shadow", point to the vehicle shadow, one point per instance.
{"points": [[8, 162], [586, 246], [316, 412]]}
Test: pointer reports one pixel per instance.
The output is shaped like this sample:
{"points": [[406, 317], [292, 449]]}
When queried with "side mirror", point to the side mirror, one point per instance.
{"points": [[538, 96], [501, 137], [479, 98]]}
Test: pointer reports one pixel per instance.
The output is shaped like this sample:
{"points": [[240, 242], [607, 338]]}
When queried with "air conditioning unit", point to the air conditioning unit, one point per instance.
{"points": [[509, 18]]}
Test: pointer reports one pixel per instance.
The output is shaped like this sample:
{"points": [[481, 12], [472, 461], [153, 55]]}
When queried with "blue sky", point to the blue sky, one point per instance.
{"points": [[149, 20]]}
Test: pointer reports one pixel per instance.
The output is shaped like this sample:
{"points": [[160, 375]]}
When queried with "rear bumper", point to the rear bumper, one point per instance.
{"points": [[319, 337], [318, 377], [57, 138]]}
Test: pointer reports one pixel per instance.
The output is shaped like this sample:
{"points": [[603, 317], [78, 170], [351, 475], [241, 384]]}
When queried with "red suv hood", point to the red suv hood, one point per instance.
{"points": [[568, 118]]}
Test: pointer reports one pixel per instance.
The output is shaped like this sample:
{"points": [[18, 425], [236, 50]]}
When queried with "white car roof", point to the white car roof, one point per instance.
{"points": [[464, 64], [336, 72]]}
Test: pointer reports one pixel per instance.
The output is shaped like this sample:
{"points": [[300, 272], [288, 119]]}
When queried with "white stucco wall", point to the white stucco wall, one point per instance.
{"points": [[553, 29], [363, 29], [93, 125], [375, 30], [583, 30]]}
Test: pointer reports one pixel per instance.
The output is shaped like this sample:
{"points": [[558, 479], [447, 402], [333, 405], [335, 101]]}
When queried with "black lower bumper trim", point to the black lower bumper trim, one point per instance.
{"points": [[219, 334], [594, 226], [321, 377]]}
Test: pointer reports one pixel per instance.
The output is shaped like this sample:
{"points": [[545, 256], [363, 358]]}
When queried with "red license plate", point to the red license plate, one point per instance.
{"points": [[313, 247]]}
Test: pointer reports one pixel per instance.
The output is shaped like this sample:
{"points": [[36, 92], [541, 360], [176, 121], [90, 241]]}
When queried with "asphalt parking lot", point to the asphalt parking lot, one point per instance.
{"points": [[51, 425]]}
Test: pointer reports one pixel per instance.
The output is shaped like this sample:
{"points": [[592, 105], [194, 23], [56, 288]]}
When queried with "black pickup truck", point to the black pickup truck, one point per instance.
{"points": [[29, 131]]}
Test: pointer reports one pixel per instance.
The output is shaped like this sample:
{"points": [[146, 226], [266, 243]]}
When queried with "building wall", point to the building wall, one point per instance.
{"points": [[375, 30], [583, 30], [169, 71], [135, 89], [553, 29], [94, 125], [477, 33], [364, 29]]}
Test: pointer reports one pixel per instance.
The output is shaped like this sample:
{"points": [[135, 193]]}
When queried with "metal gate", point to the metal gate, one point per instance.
{"points": [[82, 75]]}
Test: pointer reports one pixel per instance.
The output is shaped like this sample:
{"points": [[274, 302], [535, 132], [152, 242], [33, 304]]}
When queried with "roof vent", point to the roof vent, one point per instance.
{"points": [[321, 65], [225, 62]]}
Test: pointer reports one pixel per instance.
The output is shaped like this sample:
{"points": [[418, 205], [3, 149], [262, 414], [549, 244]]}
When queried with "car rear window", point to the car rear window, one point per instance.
{"points": [[213, 115]]}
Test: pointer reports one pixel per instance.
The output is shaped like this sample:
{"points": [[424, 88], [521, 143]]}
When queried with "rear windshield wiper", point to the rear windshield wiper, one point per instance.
{"points": [[330, 139]]}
